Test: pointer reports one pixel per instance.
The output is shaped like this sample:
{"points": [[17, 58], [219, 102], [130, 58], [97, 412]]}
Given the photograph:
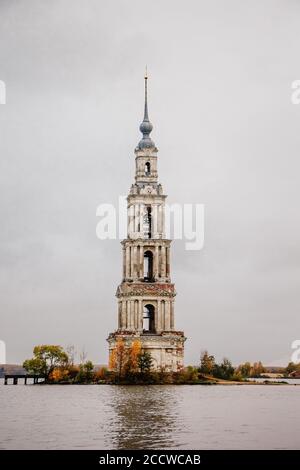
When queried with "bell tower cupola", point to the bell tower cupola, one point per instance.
{"points": [[146, 151]]}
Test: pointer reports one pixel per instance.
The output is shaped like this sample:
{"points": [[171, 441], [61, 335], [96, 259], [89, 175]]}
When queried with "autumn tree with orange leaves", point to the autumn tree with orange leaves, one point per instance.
{"points": [[134, 353], [119, 358], [123, 360]]}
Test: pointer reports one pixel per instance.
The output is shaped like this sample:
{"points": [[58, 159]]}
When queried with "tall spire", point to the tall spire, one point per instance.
{"points": [[146, 126], [146, 118]]}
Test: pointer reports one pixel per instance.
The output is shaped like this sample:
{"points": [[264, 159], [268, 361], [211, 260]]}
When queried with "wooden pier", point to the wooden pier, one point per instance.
{"points": [[15, 378]]}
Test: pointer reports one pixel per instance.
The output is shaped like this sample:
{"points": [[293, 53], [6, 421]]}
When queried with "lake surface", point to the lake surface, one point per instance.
{"points": [[288, 381], [136, 417]]}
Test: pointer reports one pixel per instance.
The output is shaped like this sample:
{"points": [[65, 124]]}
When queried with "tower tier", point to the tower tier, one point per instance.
{"points": [[146, 307], [146, 260]]}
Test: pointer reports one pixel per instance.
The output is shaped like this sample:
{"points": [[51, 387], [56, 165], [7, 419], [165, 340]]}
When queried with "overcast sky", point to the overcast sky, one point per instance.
{"points": [[228, 137]]}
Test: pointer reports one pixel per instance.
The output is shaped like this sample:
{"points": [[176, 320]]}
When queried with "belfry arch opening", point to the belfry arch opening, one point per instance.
{"points": [[147, 222], [148, 319], [148, 266], [147, 168]]}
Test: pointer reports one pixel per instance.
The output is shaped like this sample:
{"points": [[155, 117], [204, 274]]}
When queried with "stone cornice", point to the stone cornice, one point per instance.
{"points": [[174, 334], [155, 289], [146, 241]]}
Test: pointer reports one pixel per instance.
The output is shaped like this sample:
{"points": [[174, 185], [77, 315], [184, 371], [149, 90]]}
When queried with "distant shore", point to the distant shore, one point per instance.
{"points": [[207, 382], [253, 382]]}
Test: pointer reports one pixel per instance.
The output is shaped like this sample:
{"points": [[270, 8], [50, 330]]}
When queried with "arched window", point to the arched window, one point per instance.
{"points": [[148, 266], [148, 319], [147, 222], [147, 169]]}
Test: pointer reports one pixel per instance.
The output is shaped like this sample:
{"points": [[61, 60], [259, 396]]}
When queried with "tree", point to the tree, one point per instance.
{"points": [[244, 369], [59, 374], [86, 372], [134, 352], [82, 356], [127, 361], [207, 363], [119, 358], [145, 362], [292, 367], [70, 350], [225, 370], [45, 359], [112, 362], [186, 375], [257, 369], [101, 374]]}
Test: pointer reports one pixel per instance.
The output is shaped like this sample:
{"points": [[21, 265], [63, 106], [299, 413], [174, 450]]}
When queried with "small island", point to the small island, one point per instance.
{"points": [[133, 366]]}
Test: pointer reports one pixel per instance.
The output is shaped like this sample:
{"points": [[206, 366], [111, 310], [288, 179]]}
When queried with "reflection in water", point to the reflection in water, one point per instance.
{"points": [[142, 417], [147, 417]]}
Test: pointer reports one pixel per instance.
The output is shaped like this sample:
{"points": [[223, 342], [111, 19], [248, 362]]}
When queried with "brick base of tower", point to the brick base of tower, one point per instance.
{"points": [[162, 341], [166, 348]]}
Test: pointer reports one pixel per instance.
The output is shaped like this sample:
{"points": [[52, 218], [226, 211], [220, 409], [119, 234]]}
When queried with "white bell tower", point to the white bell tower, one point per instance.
{"points": [[146, 294]]}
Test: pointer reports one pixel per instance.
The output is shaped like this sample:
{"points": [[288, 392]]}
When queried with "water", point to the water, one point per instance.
{"points": [[288, 381], [135, 417]]}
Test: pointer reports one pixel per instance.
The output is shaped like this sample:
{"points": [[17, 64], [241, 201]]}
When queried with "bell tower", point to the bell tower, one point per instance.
{"points": [[146, 294]]}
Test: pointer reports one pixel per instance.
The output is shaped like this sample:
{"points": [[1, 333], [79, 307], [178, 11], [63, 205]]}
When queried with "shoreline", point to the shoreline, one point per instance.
{"points": [[218, 383]]}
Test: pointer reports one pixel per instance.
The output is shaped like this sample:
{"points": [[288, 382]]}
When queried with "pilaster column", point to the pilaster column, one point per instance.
{"points": [[167, 316], [140, 316], [132, 314], [119, 315], [124, 262], [160, 222], [128, 326], [141, 263], [127, 314], [162, 218], [136, 309], [156, 318], [154, 213], [163, 261], [127, 262], [167, 261], [156, 264], [135, 322], [130, 220], [163, 315], [159, 319], [131, 262], [123, 325], [172, 315], [135, 263]]}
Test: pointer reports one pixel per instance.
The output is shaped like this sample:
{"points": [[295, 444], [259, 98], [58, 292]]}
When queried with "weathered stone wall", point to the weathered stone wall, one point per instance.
{"points": [[166, 349]]}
